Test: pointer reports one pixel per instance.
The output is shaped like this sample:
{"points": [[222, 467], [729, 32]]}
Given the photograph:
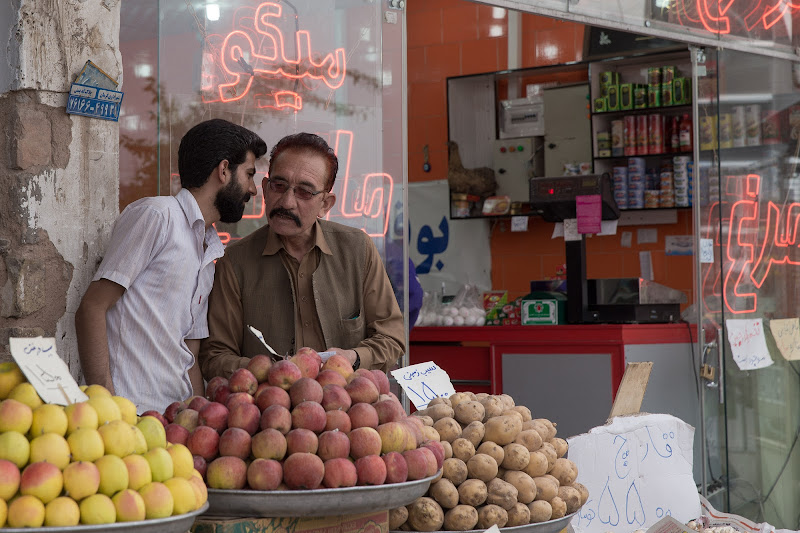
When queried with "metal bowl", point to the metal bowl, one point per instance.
{"points": [[319, 502], [173, 524], [551, 526]]}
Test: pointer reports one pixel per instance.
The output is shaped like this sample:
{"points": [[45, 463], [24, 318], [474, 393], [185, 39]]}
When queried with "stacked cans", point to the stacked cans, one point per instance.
{"points": [[666, 186], [636, 182], [681, 166], [620, 179]]}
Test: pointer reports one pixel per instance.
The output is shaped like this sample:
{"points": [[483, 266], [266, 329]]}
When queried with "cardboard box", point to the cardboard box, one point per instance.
{"points": [[376, 522], [612, 100], [626, 96], [600, 104]]}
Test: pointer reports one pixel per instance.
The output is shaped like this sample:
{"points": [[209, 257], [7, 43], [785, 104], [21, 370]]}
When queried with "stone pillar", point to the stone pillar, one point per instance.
{"points": [[59, 173]]}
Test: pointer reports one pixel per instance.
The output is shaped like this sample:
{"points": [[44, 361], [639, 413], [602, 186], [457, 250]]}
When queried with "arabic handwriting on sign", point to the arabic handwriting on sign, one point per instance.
{"points": [[429, 245]]}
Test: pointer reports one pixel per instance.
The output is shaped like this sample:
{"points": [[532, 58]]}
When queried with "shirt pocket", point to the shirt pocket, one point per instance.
{"points": [[352, 329]]}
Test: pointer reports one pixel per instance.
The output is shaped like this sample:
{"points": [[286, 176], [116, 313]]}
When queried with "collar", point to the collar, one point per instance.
{"points": [[190, 207], [274, 243]]}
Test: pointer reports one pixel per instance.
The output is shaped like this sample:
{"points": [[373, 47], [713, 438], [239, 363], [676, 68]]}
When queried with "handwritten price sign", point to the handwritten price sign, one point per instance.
{"points": [[748, 344], [423, 382], [787, 336], [45, 370]]}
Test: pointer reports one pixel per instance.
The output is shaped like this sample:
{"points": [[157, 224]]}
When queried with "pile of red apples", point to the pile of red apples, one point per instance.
{"points": [[299, 424]]}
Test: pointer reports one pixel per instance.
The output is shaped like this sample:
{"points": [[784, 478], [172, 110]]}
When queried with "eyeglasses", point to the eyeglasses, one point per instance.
{"points": [[281, 186]]}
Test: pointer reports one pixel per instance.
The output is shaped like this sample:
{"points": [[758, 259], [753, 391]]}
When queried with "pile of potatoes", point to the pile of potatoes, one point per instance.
{"points": [[501, 467]]}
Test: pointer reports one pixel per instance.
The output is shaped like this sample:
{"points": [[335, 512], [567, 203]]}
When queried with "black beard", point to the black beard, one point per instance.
{"points": [[279, 211], [230, 202]]}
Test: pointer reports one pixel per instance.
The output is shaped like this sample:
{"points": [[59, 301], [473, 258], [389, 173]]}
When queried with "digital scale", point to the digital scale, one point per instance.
{"points": [[625, 300]]}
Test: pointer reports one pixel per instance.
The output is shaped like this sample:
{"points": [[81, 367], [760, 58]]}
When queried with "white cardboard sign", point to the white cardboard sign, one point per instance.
{"points": [[748, 344], [638, 469], [45, 370], [423, 382]]}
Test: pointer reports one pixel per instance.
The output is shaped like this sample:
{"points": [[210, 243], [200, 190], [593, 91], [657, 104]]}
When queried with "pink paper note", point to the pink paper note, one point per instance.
{"points": [[589, 212]]}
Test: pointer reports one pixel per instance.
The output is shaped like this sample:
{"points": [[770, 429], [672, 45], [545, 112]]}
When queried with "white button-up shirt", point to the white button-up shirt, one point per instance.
{"points": [[157, 254]]}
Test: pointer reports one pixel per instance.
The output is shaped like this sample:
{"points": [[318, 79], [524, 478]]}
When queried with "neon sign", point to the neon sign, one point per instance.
{"points": [[758, 235], [257, 50], [718, 16]]}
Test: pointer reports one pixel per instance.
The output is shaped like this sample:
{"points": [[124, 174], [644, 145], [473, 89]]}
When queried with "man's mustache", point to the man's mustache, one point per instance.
{"points": [[279, 211]]}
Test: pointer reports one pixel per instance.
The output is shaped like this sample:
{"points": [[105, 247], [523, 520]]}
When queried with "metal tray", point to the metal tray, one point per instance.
{"points": [[319, 502], [551, 526], [173, 524]]}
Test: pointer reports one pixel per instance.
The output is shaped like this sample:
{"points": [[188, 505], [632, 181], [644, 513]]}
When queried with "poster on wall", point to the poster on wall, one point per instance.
{"points": [[449, 253]]}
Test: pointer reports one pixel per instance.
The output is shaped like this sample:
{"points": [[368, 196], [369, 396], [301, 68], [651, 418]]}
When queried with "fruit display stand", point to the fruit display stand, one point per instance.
{"points": [[314, 503], [171, 524], [551, 526]]}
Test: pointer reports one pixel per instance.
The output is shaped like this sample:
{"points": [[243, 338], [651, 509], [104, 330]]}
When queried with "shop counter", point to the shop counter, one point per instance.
{"points": [[568, 374]]}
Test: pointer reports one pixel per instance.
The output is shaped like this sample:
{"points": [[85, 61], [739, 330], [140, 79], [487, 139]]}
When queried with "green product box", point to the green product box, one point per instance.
{"points": [[654, 76], [609, 78], [626, 96], [543, 308], [668, 73], [613, 98], [654, 95], [600, 104], [640, 96], [681, 91], [666, 94]]}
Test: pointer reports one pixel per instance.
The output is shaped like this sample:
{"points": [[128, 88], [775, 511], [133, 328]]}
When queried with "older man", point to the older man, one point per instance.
{"points": [[301, 280]]}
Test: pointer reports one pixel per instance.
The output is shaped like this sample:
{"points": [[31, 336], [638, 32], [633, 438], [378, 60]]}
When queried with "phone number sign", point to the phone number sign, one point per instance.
{"points": [[94, 102]]}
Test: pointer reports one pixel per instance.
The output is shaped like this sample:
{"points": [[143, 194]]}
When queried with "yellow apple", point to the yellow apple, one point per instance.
{"points": [[48, 418], [62, 512], [80, 415], [10, 377], [15, 416], [81, 479], [126, 408], [107, 409], [139, 473], [182, 460], [96, 390], [14, 447], [154, 432], [113, 474], [25, 511], [129, 505], [50, 447], [25, 393], [86, 444], [98, 509], [43, 480], [160, 464], [158, 501], [119, 438], [183, 496]]}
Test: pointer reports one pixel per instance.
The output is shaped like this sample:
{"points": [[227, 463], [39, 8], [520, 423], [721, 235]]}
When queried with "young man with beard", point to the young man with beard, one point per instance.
{"points": [[140, 322], [301, 280]]}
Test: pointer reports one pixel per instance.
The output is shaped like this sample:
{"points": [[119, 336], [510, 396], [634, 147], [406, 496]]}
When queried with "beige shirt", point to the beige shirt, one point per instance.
{"points": [[339, 295]]}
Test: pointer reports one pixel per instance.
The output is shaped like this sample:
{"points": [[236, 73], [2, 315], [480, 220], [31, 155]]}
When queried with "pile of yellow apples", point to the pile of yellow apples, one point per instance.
{"points": [[93, 462]]}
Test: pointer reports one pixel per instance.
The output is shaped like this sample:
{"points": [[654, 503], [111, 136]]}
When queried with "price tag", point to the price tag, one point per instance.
{"points": [[423, 382], [45, 370]]}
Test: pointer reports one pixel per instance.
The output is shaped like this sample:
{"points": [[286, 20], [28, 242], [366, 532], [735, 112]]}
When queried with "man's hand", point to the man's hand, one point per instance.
{"points": [[350, 355]]}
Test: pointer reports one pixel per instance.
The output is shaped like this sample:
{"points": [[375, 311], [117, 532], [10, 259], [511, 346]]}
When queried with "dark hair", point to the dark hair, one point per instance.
{"points": [[208, 143], [313, 143]]}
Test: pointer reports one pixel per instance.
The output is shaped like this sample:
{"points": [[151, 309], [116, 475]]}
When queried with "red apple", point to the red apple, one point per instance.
{"points": [[305, 390], [371, 470], [272, 395], [283, 374], [214, 415], [382, 381], [259, 365], [213, 384], [157, 415], [331, 377], [335, 397]]}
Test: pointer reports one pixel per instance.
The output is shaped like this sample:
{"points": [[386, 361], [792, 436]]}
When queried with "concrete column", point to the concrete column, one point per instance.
{"points": [[59, 173]]}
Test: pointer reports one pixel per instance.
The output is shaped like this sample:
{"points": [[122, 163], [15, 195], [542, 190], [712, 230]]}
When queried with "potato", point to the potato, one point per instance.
{"points": [[455, 470], [501, 493], [426, 420], [507, 400], [559, 508], [519, 515], [463, 449], [529, 438], [481, 396], [397, 517], [445, 493], [406, 527], [449, 429], [459, 397], [474, 433], [482, 466], [438, 476], [560, 446], [511, 412], [524, 411], [540, 427], [460, 518], [583, 491], [526, 487], [537, 466], [437, 412], [493, 449], [493, 406], [571, 498], [565, 471], [501, 472], [549, 452], [430, 433], [472, 492], [546, 488], [502, 429], [551, 427], [467, 412], [439, 401], [448, 449], [516, 456], [424, 514], [490, 515], [541, 511]]}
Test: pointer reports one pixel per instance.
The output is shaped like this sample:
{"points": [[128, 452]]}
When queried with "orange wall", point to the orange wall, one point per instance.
{"points": [[455, 38]]}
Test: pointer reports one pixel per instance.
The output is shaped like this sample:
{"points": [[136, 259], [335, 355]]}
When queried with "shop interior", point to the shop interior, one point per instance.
{"points": [[467, 87]]}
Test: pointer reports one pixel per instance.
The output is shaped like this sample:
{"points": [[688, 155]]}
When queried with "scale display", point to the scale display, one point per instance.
{"points": [[554, 198]]}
